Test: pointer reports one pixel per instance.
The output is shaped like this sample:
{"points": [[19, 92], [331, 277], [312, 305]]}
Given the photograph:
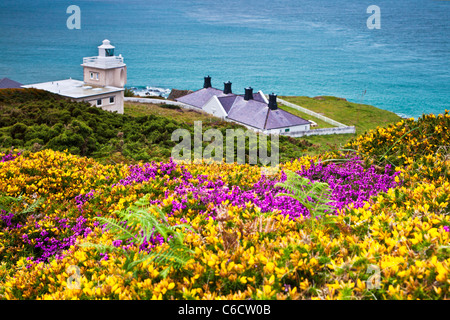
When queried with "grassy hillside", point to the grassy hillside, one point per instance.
{"points": [[169, 111], [35, 120], [373, 225], [363, 117], [209, 231], [320, 123]]}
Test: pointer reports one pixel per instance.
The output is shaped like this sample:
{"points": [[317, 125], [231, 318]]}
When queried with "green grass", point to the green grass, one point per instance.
{"points": [[178, 113], [320, 123], [326, 143], [363, 117]]}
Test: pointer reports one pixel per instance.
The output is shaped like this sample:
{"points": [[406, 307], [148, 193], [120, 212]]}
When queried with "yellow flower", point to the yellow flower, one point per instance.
{"points": [[269, 267]]}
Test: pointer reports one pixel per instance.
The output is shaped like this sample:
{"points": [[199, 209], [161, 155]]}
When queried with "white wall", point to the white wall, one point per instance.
{"points": [[303, 127], [324, 131], [116, 106], [116, 77], [264, 96], [214, 107]]}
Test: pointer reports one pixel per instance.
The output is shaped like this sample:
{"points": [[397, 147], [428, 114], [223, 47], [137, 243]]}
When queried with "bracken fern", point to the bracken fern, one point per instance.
{"points": [[7, 202], [315, 196], [140, 222]]}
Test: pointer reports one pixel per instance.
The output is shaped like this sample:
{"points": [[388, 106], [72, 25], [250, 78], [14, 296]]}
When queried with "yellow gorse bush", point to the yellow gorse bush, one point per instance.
{"points": [[394, 247]]}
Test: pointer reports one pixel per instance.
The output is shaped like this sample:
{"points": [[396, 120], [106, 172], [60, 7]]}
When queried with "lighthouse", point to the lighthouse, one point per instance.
{"points": [[103, 85], [106, 69]]}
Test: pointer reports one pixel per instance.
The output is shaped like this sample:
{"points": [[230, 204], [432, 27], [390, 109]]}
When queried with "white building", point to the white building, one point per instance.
{"points": [[105, 77], [251, 110]]}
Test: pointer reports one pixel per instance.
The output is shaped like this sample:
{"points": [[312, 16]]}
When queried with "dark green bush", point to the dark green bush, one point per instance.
{"points": [[33, 119], [17, 131]]}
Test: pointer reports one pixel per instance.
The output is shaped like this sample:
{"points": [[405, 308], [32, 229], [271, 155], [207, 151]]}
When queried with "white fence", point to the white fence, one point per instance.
{"points": [[321, 132], [107, 62]]}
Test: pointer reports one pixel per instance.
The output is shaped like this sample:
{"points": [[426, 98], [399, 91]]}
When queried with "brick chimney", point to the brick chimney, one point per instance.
{"points": [[248, 93]]}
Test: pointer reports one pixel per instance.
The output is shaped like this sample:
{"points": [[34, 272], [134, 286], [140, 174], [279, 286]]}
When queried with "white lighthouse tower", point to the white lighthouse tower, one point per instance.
{"points": [[106, 69]]}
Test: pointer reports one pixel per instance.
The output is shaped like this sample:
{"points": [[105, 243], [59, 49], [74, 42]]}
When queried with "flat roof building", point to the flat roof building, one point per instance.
{"points": [[103, 82]]}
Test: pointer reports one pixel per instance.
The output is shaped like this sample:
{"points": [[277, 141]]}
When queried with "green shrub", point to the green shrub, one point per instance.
{"points": [[18, 130], [30, 116]]}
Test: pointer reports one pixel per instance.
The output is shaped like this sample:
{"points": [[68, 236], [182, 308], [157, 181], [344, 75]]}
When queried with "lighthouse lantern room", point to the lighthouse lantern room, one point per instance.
{"points": [[106, 69]]}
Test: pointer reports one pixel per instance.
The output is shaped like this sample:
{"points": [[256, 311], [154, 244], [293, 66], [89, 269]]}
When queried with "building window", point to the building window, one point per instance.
{"points": [[111, 100], [99, 102], [94, 75], [286, 130]]}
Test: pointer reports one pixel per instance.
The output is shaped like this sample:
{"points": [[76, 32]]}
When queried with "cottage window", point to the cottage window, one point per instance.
{"points": [[99, 102], [111, 100]]}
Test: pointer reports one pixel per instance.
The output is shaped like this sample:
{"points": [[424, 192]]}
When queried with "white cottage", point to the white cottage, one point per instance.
{"points": [[251, 110]]}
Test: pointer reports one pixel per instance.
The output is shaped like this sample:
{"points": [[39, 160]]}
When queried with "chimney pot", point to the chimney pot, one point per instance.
{"points": [[248, 93], [207, 83], [227, 87], [273, 101]]}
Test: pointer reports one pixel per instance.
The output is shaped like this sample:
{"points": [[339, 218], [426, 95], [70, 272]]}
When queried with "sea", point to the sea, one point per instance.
{"points": [[392, 54]]}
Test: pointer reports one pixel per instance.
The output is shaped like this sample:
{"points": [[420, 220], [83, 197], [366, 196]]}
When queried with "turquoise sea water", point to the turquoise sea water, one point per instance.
{"points": [[290, 47]]}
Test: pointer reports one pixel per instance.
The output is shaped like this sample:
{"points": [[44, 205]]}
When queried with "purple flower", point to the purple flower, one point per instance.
{"points": [[350, 183], [117, 243], [146, 172], [9, 157], [104, 256], [81, 199]]}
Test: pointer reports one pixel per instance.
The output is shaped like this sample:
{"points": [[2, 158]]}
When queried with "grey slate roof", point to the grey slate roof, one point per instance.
{"points": [[279, 119], [6, 83], [251, 112], [200, 97], [227, 102], [254, 113], [258, 97], [257, 114]]}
